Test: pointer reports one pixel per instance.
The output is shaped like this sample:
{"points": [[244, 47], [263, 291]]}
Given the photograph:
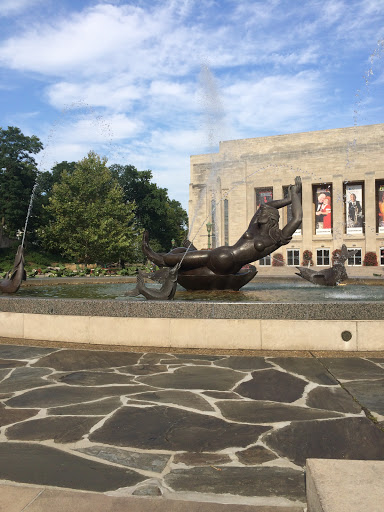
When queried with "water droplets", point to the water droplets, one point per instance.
{"points": [[214, 130]]}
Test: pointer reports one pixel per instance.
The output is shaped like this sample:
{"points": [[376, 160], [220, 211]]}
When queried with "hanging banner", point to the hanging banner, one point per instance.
{"points": [[354, 208], [323, 210], [263, 195], [381, 208]]}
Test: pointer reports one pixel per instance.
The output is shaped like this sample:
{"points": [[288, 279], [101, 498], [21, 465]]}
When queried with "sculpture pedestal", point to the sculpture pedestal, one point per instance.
{"points": [[205, 279]]}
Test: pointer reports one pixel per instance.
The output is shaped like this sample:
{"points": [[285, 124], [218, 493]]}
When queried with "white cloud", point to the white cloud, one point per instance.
{"points": [[104, 34], [68, 151], [13, 7], [145, 44], [274, 103], [117, 93], [105, 39], [155, 41], [74, 134]]}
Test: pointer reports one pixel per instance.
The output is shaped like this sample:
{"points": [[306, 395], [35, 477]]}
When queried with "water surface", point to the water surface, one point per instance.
{"points": [[276, 291]]}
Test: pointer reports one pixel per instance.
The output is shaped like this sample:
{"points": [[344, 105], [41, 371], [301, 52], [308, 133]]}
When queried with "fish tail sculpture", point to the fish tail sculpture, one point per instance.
{"points": [[167, 290], [330, 276], [13, 279], [132, 293], [305, 273], [160, 276]]}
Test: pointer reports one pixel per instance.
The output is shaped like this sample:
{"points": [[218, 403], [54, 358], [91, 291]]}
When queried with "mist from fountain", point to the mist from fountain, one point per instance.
{"points": [[214, 128]]}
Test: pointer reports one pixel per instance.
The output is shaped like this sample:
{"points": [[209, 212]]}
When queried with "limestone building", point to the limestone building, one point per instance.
{"points": [[342, 173]]}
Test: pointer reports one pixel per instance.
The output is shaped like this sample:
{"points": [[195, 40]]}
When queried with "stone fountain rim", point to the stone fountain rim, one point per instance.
{"points": [[340, 310]]}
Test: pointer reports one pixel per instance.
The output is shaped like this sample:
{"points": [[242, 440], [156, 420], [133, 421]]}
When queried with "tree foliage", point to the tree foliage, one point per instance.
{"points": [[18, 172], [47, 179], [65, 203], [90, 221], [40, 216], [164, 218]]}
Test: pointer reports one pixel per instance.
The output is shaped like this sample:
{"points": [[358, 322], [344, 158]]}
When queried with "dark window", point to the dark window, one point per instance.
{"points": [[322, 257], [266, 260], [293, 257], [354, 257]]}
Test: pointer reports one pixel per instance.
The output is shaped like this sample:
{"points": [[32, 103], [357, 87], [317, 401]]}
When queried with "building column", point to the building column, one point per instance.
{"points": [[338, 211], [370, 212]]}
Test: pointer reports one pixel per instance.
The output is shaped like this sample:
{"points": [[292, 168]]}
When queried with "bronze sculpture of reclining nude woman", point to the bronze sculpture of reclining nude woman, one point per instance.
{"points": [[262, 237]]}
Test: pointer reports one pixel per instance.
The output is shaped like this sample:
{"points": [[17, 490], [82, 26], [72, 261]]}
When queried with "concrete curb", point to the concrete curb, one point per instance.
{"points": [[17, 498], [344, 485]]}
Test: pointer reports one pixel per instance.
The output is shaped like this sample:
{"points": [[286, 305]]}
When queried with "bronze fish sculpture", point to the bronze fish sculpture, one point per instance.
{"points": [[13, 279], [168, 276], [330, 276]]}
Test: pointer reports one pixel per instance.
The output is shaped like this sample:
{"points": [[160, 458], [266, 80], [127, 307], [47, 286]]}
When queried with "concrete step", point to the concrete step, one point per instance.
{"points": [[19, 498], [345, 485]]}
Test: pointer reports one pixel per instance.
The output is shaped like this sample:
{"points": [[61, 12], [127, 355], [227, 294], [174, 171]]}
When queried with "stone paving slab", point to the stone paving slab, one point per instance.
{"points": [[30, 499], [204, 426]]}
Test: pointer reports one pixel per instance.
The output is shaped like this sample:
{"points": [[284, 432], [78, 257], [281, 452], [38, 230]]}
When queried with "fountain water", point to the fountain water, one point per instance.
{"points": [[12, 282], [214, 127]]}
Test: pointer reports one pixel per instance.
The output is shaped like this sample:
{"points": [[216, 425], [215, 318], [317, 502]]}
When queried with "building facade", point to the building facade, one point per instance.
{"points": [[342, 172]]}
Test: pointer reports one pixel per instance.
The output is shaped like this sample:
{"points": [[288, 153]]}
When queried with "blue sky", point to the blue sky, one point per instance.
{"points": [[150, 82]]}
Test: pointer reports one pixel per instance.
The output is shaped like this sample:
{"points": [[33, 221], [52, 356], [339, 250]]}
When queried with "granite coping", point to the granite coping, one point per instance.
{"points": [[196, 309], [44, 499], [344, 485]]}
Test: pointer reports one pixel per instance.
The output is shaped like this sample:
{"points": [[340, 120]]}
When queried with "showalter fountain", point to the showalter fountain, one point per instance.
{"points": [[254, 323], [290, 315]]}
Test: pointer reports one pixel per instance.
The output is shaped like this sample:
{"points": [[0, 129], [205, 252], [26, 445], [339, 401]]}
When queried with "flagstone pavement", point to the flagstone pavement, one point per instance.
{"points": [[202, 427]]}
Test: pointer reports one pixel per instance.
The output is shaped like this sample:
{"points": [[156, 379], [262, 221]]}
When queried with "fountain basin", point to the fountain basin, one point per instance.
{"points": [[355, 325]]}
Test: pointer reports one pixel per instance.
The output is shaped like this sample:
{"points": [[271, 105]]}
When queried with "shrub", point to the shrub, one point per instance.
{"points": [[38, 259], [7, 258], [370, 259], [278, 260], [69, 273], [307, 258]]}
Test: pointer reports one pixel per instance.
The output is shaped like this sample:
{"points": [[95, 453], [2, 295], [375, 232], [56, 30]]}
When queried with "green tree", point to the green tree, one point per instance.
{"points": [[18, 173], [90, 220], [164, 218], [46, 180]]}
